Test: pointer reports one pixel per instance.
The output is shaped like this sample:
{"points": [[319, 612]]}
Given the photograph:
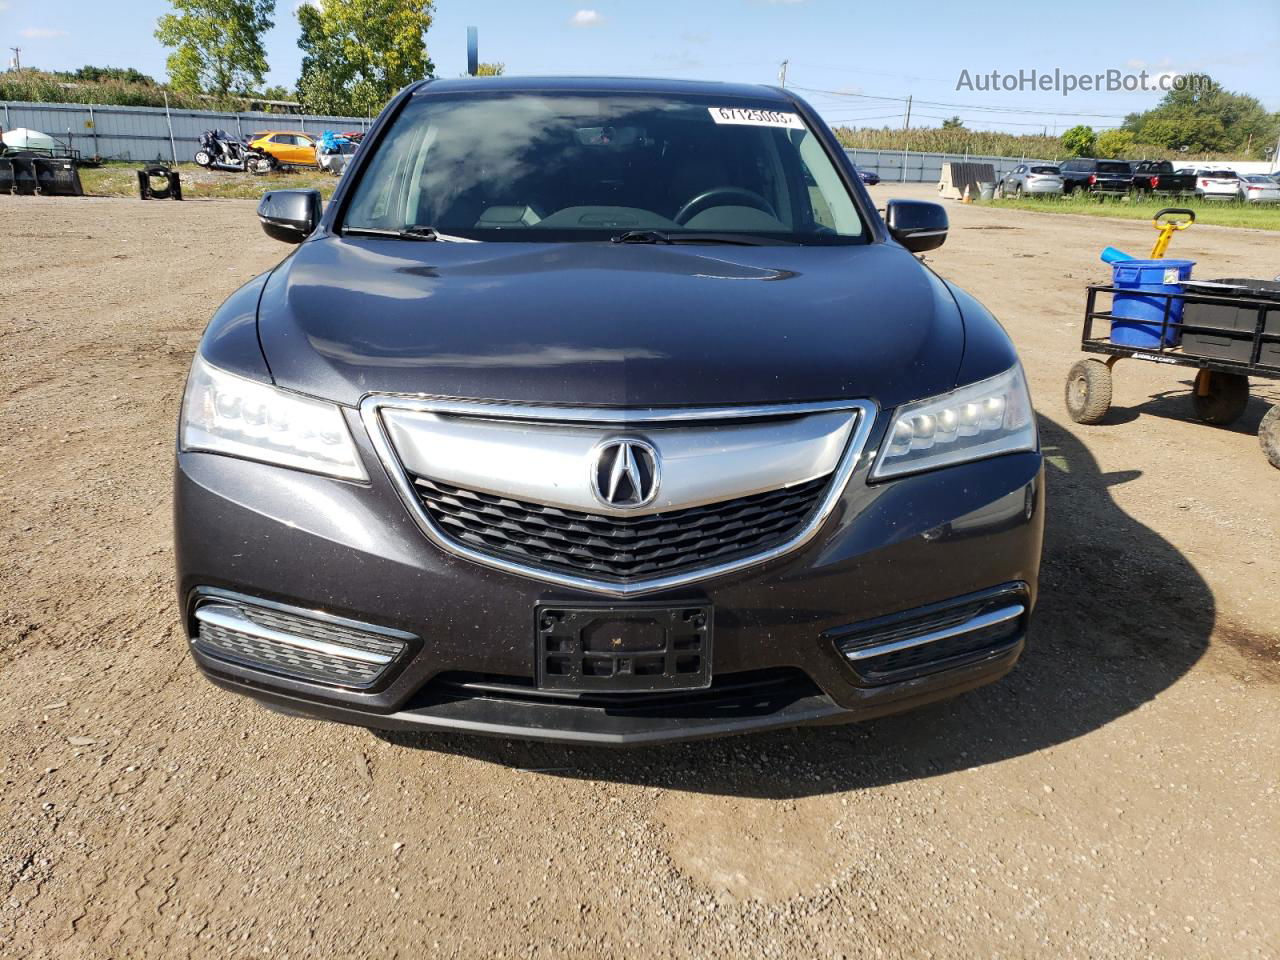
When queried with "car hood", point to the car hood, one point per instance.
{"points": [[604, 324]]}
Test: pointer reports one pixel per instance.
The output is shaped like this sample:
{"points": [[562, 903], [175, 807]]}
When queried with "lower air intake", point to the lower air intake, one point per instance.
{"points": [[937, 637], [295, 646]]}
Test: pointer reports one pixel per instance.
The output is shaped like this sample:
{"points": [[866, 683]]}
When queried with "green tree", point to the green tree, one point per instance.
{"points": [[1079, 141], [1201, 116], [278, 92], [358, 53], [217, 44], [1116, 143], [490, 69], [953, 123]]}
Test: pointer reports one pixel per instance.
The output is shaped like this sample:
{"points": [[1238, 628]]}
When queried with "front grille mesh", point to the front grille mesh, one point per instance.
{"points": [[619, 548]]}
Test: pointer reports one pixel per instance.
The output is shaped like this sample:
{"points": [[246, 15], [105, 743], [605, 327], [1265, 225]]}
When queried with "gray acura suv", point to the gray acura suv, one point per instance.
{"points": [[605, 411]]}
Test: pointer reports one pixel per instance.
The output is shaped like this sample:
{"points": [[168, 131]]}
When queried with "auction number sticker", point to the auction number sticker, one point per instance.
{"points": [[746, 117]]}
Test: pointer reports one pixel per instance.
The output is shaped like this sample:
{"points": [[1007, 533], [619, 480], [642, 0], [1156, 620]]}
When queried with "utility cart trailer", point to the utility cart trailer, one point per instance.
{"points": [[1226, 330]]}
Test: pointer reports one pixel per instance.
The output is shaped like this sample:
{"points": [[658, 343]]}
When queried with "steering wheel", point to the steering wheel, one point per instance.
{"points": [[703, 200]]}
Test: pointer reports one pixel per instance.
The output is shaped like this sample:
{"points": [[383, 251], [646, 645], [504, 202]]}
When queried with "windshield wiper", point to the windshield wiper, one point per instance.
{"points": [[416, 232], [738, 239]]}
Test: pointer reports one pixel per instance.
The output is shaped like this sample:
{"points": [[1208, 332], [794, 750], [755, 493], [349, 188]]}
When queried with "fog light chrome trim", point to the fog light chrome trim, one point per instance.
{"points": [[982, 621], [233, 618], [294, 643]]}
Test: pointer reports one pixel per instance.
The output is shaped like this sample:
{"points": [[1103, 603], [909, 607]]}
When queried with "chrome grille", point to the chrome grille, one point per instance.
{"points": [[620, 548], [509, 485]]}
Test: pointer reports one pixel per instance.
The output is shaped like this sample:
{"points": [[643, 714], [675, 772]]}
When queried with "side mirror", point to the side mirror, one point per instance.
{"points": [[917, 224], [289, 215]]}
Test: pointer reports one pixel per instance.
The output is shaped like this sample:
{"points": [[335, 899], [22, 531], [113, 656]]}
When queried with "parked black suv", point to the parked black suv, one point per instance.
{"points": [[604, 411], [1096, 176]]}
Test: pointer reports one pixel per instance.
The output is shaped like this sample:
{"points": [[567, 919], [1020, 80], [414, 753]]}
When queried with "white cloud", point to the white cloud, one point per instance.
{"points": [[586, 18], [42, 33]]}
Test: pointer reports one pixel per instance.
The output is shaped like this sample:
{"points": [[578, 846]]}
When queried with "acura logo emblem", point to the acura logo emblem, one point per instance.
{"points": [[625, 473]]}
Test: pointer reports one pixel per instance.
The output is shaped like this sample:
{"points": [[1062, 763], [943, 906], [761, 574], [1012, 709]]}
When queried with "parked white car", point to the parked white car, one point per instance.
{"points": [[1218, 184], [336, 163], [1258, 188], [1034, 178]]}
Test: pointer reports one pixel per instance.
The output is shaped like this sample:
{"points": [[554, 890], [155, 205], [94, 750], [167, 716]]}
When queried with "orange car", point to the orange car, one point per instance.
{"points": [[292, 147]]}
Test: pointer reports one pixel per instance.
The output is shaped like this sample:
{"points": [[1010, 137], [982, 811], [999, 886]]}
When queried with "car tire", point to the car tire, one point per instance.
{"points": [[1269, 435], [1017, 191], [1088, 393], [202, 158], [1220, 398]]}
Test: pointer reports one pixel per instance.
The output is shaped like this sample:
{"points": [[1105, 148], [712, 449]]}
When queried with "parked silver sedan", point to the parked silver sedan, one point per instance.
{"points": [[1039, 179], [1259, 188]]}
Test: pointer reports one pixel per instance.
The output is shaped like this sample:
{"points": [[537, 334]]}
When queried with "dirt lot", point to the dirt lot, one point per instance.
{"points": [[1115, 797]]}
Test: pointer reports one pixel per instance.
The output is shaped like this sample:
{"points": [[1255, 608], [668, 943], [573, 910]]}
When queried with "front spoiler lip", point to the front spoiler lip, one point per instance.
{"points": [[593, 726]]}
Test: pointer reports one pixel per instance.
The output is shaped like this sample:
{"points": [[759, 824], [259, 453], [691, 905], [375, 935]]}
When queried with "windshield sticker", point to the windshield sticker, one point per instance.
{"points": [[755, 118]]}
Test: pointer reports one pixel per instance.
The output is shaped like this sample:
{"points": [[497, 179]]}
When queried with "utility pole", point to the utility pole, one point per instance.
{"points": [[782, 73], [906, 122], [17, 57]]}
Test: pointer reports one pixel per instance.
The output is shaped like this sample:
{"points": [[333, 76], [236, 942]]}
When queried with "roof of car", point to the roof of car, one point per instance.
{"points": [[605, 84]]}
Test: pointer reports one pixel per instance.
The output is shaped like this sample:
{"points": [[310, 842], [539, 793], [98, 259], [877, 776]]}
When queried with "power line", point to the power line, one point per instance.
{"points": [[992, 108], [886, 116]]}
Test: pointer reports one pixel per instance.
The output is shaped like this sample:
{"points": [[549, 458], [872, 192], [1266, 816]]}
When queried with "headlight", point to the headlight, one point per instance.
{"points": [[979, 420], [223, 413]]}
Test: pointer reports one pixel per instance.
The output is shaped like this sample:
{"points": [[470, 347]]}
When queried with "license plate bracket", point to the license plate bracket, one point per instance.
{"points": [[622, 648]]}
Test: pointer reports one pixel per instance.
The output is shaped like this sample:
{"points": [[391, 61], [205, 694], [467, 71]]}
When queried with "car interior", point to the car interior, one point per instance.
{"points": [[653, 169]]}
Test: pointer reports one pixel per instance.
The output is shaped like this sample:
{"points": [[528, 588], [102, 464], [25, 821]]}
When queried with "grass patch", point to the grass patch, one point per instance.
{"points": [[1231, 214], [120, 180]]}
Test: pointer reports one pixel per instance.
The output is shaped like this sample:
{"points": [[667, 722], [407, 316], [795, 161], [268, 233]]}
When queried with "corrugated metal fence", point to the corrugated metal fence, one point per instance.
{"points": [[151, 133], [906, 167]]}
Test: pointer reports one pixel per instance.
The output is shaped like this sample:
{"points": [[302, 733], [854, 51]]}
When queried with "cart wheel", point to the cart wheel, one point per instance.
{"points": [[1269, 435], [1088, 391], [1220, 398]]}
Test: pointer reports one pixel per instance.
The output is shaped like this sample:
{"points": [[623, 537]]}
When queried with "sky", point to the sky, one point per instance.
{"points": [[857, 62]]}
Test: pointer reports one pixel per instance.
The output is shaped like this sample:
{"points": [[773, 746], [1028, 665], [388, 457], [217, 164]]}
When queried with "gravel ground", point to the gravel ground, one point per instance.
{"points": [[1114, 797]]}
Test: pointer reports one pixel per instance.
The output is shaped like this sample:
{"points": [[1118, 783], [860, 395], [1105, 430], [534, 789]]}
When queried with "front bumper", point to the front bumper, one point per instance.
{"points": [[353, 551]]}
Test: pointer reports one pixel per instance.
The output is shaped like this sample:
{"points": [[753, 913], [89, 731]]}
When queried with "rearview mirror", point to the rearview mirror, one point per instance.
{"points": [[289, 215], [917, 224]]}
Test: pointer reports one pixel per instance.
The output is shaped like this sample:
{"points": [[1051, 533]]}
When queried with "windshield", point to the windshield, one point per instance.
{"points": [[585, 166], [1112, 166]]}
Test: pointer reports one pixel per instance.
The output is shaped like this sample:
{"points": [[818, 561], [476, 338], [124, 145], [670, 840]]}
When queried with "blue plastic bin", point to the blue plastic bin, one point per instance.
{"points": [[1138, 317]]}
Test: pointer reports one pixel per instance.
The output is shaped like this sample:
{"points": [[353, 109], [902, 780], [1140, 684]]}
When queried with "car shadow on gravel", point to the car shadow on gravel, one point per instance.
{"points": [[1122, 615]]}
